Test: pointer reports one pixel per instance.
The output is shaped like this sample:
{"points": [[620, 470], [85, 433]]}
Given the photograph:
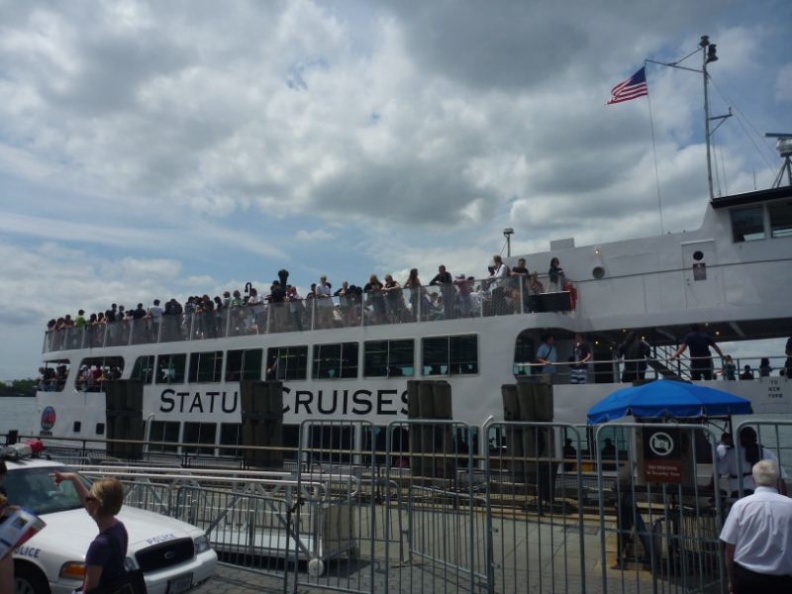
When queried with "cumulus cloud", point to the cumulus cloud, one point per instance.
{"points": [[784, 84], [165, 148], [312, 236]]}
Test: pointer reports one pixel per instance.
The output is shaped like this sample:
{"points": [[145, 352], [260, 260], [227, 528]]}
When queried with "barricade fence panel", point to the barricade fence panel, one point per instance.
{"points": [[433, 505], [667, 509], [342, 519], [247, 529], [536, 494], [442, 502]]}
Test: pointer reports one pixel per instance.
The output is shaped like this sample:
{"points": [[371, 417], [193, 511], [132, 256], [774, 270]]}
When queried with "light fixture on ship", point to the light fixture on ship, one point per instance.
{"points": [[507, 233], [784, 148]]}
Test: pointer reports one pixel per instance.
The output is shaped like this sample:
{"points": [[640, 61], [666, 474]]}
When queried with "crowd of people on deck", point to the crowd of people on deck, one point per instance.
{"points": [[89, 378], [635, 353], [503, 291]]}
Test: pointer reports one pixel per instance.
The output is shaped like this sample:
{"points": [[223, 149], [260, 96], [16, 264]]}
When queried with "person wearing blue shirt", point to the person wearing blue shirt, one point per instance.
{"points": [[546, 355]]}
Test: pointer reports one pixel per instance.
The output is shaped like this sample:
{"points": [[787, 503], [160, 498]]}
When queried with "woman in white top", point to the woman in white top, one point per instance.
{"points": [[500, 284], [738, 461]]}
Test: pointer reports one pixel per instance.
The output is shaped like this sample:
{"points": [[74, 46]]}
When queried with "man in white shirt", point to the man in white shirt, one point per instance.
{"points": [[323, 301], [155, 313], [736, 463], [255, 320], [726, 443], [758, 537]]}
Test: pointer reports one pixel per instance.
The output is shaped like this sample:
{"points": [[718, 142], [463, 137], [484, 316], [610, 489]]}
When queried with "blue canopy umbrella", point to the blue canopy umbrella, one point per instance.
{"points": [[668, 398]]}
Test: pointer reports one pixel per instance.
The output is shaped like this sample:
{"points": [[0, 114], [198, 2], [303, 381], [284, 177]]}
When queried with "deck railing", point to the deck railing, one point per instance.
{"points": [[462, 299]]}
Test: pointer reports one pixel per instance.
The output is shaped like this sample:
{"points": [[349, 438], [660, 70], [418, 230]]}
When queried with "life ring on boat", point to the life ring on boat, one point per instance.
{"points": [[572, 295]]}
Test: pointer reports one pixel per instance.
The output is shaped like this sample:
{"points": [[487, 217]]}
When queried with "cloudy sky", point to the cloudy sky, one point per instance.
{"points": [[161, 149]]}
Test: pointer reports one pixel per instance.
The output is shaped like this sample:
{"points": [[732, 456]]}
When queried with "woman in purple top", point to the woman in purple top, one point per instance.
{"points": [[104, 560]]}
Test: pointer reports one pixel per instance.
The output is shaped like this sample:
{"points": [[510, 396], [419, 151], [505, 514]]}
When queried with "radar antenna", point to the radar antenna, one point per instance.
{"points": [[784, 148]]}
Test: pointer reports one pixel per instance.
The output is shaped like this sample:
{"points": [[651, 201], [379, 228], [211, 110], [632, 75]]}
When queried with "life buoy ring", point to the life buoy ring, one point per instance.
{"points": [[572, 295]]}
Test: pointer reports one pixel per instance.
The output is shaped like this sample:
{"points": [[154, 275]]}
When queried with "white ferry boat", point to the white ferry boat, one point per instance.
{"points": [[353, 357], [350, 358]]}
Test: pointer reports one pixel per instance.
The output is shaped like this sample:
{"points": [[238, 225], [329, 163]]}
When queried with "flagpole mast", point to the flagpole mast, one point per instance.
{"points": [[708, 55], [708, 51]]}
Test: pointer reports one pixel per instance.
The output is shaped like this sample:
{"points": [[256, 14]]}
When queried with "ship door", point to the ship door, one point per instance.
{"points": [[701, 276]]}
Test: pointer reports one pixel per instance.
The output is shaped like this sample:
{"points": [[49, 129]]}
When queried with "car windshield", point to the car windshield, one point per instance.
{"points": [[35, 489]]}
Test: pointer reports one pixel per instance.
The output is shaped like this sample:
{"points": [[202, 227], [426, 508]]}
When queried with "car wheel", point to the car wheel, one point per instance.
{"points": [[29, 580], [316, 567]]}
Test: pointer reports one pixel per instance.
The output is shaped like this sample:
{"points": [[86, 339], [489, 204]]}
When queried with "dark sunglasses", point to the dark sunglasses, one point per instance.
{"points": [[90, 498]]}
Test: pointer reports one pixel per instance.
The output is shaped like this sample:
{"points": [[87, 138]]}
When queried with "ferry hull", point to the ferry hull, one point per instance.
{"points": [[352, 361]]}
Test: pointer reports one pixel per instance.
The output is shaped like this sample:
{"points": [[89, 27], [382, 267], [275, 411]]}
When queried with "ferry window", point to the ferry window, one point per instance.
{"points": [[287, 363], [618, 436], [780, 219], [244, 365], [163, 431], [375, 439], [524, 351], [335, 361], [170, 369], [291, 441], [230, 434], [331, 443], [450, 355], [95, 370], [52, 378], [389, 358], [202, 434], [748, 224], [143, 369], [206, 367]]}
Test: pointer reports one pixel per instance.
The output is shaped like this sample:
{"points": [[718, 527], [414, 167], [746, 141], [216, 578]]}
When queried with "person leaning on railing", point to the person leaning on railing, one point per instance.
{"points": [[634, 350], [699, 343], [535, 288]]}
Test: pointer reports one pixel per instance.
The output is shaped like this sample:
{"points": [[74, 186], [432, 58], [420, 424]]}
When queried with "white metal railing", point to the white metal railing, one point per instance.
{"points": [[461, 299]]}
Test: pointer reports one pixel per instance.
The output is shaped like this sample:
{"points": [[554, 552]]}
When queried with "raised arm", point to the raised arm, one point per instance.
{"points": [[82, 492]]}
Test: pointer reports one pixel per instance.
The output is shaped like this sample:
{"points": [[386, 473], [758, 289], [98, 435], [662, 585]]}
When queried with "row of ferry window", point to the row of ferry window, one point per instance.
{"points": [[751, 224], [339, 442], [445, 355]]}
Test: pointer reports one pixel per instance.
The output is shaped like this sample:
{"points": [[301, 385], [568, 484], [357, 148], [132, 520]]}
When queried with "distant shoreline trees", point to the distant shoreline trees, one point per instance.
{"points": [[25, 387]]}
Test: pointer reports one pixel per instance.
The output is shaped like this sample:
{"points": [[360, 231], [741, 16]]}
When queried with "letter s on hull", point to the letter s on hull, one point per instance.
{"points": [[167, 403]]}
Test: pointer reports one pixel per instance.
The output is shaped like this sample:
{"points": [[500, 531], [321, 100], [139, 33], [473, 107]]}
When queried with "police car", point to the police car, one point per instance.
{"points": [[173, 555]]}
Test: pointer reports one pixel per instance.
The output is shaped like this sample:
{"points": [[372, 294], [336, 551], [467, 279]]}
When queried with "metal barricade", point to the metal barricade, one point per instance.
{"points": [[536, 499], [443, 504], [667, 513], [339, 520], [421, 507]]}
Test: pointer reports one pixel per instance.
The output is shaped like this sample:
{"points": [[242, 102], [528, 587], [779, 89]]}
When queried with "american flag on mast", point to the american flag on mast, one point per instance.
{"points": [[632, 88]]}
